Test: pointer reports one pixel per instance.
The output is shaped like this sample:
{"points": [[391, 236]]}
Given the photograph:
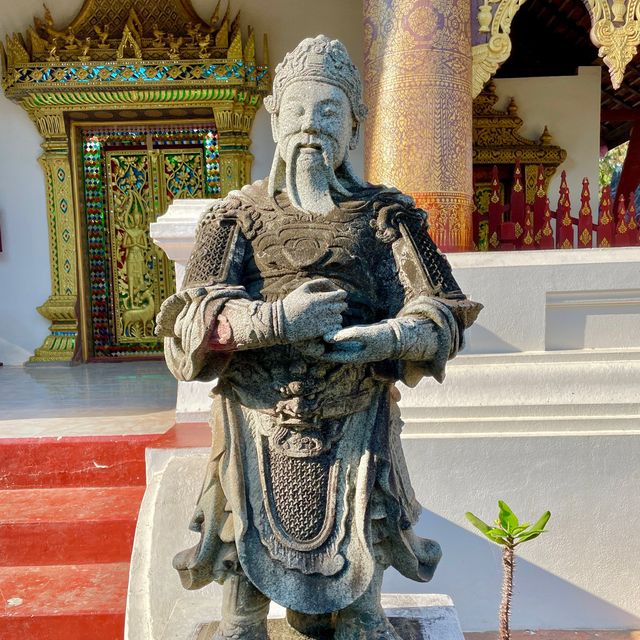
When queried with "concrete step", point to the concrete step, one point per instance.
{"points": [[73, 462], [63, 602], [68, 525], [87, 461]]}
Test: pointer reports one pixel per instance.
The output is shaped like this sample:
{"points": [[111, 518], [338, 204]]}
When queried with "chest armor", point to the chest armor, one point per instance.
{"points": [[289, 247]]}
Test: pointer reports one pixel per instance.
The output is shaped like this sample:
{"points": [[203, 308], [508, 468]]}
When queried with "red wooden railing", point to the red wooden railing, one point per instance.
{"points": [[518, 225]]}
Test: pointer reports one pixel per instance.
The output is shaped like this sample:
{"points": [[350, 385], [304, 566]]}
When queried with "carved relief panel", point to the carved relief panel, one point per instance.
{"points": [[130, 177]]}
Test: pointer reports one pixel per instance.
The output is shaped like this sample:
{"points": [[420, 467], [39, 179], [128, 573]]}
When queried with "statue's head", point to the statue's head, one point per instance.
{"points": [[316, 110]]}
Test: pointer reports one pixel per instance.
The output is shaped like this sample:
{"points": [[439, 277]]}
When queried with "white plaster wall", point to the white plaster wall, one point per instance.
{"points": [[570, 107], [24, 263]]}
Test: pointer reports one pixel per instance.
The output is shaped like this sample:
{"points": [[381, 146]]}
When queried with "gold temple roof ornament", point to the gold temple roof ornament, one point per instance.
{"points": [[615, 31], [108, 45], [496, 139]]}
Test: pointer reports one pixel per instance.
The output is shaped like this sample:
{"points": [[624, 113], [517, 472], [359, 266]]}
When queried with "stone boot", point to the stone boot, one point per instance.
{"points": [[313, 626], [244, 611], [365, 618]]}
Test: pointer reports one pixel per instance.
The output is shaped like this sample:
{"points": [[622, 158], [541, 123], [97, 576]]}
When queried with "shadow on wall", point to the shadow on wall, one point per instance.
{"points": [[471, 572], [481, 340]]}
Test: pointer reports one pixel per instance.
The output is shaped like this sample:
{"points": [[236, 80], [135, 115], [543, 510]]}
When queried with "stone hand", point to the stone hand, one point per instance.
{"points": [[170, 311], [313, 309], [361, 343]]}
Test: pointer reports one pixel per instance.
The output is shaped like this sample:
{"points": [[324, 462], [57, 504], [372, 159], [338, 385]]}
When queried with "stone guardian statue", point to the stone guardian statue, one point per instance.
{"points": [[307, 296]]}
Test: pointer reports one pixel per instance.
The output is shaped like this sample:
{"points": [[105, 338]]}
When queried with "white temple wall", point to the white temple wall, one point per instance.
{"points": [[24, 263], [570, 107]]}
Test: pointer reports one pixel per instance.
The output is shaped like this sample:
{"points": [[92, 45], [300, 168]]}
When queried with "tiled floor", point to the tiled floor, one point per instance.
{"points": [[559, 635], [88, 399]]}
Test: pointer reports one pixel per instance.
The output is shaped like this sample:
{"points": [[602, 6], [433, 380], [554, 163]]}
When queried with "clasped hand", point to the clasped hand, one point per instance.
{"points": [[314, 310]]}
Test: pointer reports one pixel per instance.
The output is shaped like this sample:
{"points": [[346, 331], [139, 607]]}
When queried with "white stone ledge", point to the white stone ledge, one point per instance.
{"points": [[560, 257]]}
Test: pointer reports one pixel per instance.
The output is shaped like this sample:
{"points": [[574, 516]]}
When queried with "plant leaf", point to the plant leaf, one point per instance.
{"points": [[542, 522], [529, 536], [521, 528], [508, 519], [477, 523]]}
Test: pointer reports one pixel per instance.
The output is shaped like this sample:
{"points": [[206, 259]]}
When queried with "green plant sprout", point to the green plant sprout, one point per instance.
{"points": [[509, 533]]}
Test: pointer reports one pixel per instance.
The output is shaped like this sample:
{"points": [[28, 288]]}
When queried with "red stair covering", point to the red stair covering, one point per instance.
{"points": [[68, 510]]}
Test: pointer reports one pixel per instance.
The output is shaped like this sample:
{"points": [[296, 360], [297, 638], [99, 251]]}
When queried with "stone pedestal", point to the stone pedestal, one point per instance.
{"points": [[414, 617]]}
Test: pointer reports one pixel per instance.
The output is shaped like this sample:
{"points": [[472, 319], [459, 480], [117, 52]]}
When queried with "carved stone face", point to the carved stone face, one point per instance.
{"points": [[315, 117]]}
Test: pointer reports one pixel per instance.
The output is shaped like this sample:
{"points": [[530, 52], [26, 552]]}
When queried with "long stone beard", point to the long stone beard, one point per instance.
{"points": [[309, 178]]}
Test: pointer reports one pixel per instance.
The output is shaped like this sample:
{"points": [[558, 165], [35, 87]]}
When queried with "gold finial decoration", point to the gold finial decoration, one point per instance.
{"points": [[265, 50], [175, 42], [53, 55], [129, 44], [619, 9], [485, 16], [85, 57], [250, 47], [488, 56], [103, 35], [615, 30], [158, 37], [235, 48], [222, 34], [203, 46], [215, 16], [235, 25]]}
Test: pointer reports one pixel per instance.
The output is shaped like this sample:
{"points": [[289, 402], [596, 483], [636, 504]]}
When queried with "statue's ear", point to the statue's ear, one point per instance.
{"points": [[275, 127]]}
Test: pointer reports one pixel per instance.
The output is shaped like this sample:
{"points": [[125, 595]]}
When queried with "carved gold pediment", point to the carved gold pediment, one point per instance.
{"points": [[615, 30], [497, 141], [494, 19], [496, 137], [125, 43]]}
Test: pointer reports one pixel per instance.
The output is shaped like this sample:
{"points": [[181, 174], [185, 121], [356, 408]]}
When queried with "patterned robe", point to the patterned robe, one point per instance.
{"points": [[306, 486]]}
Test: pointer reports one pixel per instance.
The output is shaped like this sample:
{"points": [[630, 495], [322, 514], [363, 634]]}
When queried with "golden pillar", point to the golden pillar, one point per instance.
{"points": [[60, 307], [233, 123], [417, 78]]}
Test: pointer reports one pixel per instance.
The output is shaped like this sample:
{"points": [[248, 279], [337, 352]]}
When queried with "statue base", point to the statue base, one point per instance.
{"points": [[406, 628], [413, 616]]}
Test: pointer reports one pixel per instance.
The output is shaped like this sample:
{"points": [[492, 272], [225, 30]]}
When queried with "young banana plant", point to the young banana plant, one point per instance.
{"points": [[508, 532]]}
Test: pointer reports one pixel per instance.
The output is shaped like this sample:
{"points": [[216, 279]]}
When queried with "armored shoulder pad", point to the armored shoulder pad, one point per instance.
{"points": [[433, 263], [215, 246]]}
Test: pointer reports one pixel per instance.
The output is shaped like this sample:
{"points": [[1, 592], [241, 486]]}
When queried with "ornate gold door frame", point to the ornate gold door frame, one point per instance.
{"points": [[126, 59], [130, 174]]}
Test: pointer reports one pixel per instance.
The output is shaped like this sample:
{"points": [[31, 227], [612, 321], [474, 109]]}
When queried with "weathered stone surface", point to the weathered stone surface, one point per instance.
{"points": [[308, 296], [406, 628]]}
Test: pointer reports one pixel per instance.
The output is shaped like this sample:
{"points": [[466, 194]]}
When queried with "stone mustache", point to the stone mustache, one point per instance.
{"points": [[308, 295]]}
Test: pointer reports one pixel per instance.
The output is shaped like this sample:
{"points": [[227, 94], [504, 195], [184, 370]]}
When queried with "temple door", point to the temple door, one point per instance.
{"points": [[130, 177]]}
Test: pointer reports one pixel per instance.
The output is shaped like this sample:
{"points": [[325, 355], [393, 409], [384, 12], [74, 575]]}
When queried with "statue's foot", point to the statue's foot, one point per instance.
{"points": [[229, 631], [312, 626], [365, 629]]}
